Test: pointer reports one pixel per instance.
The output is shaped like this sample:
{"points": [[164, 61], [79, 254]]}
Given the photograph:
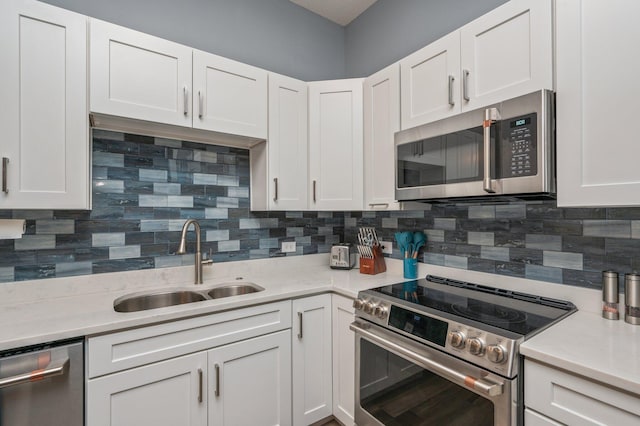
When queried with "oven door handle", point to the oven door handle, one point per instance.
{"points": [[480, 385]]}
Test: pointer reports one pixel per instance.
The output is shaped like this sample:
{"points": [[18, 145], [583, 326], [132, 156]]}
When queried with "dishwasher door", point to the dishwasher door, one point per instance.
{"points": [[43, 386]]}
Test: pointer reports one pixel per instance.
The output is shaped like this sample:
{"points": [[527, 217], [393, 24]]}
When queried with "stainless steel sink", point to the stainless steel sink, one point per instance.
{"points": [[143, 302], [233, 289], [161, 299]]}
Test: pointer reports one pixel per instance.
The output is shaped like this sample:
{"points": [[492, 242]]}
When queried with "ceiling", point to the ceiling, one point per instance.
{"points": [[339, 11]]}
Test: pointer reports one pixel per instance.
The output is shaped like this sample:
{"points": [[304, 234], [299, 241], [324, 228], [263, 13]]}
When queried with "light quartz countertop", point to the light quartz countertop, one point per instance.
{"points": [[40, 311]]}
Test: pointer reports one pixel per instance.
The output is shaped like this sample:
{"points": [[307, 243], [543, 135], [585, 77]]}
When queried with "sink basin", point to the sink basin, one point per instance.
{"points": [[233, 289], [143, 302]]}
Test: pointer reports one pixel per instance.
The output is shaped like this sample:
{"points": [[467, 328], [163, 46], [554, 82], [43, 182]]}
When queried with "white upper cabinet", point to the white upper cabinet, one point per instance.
{"points": [[287, 144], [381, 121], [136, 75], [229, 96], [139, 76], [44, 120], [335, 145], [431, 82], [597, 92], [505, 53]]}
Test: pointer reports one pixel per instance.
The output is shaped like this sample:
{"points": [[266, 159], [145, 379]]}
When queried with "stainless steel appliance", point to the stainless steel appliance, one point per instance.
{"points": [[43, 385], [343, 256], [507, 150], [444, 352]]}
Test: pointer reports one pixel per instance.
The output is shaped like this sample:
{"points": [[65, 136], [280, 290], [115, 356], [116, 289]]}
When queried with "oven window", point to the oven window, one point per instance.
{"points": [[398, 392], [453, 158]]}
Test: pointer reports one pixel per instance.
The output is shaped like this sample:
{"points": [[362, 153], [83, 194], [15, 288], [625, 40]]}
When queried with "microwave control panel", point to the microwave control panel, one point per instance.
{"points": [[519, 149]]}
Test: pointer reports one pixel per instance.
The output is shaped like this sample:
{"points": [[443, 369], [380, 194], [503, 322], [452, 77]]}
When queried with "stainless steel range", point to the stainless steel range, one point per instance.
{"points": [[444, 352]]}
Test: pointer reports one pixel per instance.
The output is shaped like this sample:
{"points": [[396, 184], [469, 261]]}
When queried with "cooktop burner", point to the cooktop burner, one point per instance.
{"points": [[516, 312]]}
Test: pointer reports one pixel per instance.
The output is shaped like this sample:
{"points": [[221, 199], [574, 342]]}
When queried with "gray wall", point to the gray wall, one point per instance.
{"points": [[391, 29], [276, 35]]}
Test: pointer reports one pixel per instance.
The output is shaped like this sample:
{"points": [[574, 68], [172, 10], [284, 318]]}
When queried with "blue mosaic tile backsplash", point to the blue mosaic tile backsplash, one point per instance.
{"points": [[144, 188]]}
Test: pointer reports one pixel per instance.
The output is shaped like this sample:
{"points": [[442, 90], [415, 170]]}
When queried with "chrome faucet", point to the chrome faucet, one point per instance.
{"points": [[182, 249]]}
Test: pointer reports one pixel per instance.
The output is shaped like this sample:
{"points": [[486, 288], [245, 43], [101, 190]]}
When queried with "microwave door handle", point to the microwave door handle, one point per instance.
{"points": [[491, 115]]}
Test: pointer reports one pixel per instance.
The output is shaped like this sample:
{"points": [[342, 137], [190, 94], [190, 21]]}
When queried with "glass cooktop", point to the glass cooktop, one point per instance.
{"points": [[516, 312]]}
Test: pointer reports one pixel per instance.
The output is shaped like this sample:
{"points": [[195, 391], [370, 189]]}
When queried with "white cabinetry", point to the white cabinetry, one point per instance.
{"points": [[505, 53], [381, 121], [166, 393], [250, 382], [45, 140], [311, 359], [431, 82], [344, 355], [230, 368], [570, 399], [229, 96], [335, 145], [139, 76], [136, 75], [596, 109], [287, 144]]}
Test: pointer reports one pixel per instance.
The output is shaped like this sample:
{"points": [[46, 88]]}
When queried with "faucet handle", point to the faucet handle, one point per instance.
{"points": [[207, 260]]}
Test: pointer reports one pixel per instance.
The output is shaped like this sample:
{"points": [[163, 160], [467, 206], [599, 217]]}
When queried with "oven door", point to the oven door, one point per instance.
{"points": [[399, 381]]}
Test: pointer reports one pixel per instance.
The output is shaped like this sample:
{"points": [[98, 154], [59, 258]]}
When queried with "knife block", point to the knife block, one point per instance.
{"points": [[373, 266]]}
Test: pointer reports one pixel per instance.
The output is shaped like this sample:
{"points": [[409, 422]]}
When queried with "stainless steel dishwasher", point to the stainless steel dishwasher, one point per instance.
{"points": [[43, 385]]}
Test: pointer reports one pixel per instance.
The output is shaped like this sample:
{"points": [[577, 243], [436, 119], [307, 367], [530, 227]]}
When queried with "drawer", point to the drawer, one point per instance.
{"points": [[576, 400], [127, 349], [531, 418]]}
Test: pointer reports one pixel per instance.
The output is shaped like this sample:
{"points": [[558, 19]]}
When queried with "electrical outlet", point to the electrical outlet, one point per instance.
{"points": [[387, 247], [288, 247]]}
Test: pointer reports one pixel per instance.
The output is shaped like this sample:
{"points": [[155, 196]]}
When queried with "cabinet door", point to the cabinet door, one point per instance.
{"points": [[45, 141], [335, 145], [381, 121], [597, 91], [507, 53], [344, 355], [430, 82], [139, 76], [250, 382], [288, 143], [229, 96], [311, 353], [166, 393]]}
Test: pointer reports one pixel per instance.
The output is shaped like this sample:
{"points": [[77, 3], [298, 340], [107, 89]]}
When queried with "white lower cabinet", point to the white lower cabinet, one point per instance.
{"points": [[166, 393], [344, 355], [250, 382], [311, 359], [231, 368], [552, 395]]}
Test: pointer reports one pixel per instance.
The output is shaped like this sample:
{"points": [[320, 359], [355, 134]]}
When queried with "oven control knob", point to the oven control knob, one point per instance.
{"points": [[476, 346], [369, 307], [358, 304], [457, 339], [496, 353], [381, 311]]}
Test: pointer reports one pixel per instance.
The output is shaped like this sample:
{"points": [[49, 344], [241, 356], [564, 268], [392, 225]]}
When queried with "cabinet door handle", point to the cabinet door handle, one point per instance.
{"points": [[275, 194], [199, 385], [385, 205], [185, 100], [314, 191], [465, 85], [300, 325], [451, 80], [200, 105], [217, 390], [5, 166], [490, 117]]}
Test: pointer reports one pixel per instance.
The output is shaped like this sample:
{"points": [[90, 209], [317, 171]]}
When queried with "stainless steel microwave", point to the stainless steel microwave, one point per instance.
{"points": [[506, 150]]}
